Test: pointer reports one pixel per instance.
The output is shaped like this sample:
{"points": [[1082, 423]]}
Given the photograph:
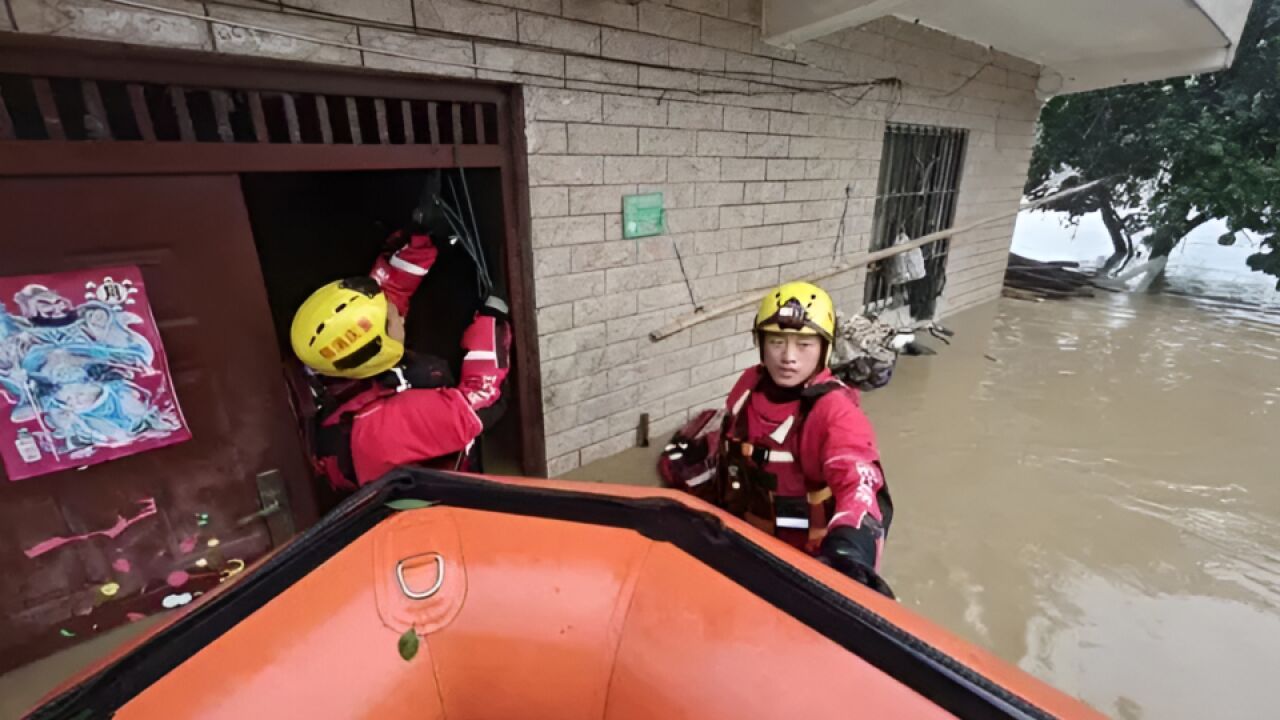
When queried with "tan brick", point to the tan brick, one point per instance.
{"points": [[737, 261], [693, 169], [466, 18], [560, 466], [719, 8], [556, 317], [560, 420], [554, 104], [692, 219], [764, 192], [713, 241], [742, 169], [508, 59], [746, 119], [548, 201], [565, 170], [745, 11], [602, 255], [749, 64], [674, 195], [669, 22], [569, 288], [768, 146], [663, 141], [661, 297], [562, 378], [779, 255], [711, 288], [570, 342], [785, 123], [711, 330], [689, 56], [668, 79], [546, 138], [601, 139], [709, 194], [728, 34], [546, 7], [557, 33], [763, 236], [696, 116], [594, 199], [590, 311], [786, 169], [757, 279], [623, 169], [96, 20], [628, 110], [741, 216], [713, 370], [603, 71], [451, 55], [713, 143], [652, 249], [783, 213], [392, 12], [241, 41], [639, 277], [616, 14], [576, 438], [627, 45], [557, 232]]}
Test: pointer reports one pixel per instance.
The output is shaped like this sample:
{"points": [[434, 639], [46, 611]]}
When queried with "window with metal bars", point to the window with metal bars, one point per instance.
{"points": [[80, 109], [919, 182]]}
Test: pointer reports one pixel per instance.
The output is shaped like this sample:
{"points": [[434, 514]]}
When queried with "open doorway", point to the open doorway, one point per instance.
{"points": [[314, 227]]}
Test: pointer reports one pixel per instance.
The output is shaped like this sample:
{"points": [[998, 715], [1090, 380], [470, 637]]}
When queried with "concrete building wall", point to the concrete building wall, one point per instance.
{"points": [[753, 146]]}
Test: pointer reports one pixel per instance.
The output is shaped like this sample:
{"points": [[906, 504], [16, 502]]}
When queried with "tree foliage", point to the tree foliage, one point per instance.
{"points": [[1176, 152]]}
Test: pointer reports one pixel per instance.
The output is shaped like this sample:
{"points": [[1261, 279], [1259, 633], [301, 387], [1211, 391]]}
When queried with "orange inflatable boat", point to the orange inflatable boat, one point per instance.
{"points": [[431, 595]]}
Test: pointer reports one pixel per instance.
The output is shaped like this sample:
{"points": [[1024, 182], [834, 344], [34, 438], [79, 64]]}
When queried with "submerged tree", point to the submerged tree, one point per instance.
{"points": [[1175, 153]]}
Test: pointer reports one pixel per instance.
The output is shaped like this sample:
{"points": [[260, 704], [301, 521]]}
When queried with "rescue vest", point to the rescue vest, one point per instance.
{"points": [[750, 471], [330, 440]]}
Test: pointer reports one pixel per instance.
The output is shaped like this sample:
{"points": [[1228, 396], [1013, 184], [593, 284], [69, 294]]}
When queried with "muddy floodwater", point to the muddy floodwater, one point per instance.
{"points": [[1091, 489]]}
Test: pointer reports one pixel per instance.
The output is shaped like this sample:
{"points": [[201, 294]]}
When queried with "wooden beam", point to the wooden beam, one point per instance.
{"points": [[747, 298]]}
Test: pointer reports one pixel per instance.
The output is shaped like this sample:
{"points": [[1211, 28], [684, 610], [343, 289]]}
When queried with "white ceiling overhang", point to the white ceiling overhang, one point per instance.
{"points": [[1080, 44]]}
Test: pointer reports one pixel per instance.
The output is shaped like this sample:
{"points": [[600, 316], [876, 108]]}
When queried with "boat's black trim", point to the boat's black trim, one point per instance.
{"points": [[943, 680]]}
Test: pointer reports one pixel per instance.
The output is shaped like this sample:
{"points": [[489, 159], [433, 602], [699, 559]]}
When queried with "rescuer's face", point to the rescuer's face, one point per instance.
{"points": [[791, 359]]}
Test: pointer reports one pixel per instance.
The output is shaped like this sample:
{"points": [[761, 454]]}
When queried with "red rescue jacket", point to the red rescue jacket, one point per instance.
{"points": [[383, 427]]}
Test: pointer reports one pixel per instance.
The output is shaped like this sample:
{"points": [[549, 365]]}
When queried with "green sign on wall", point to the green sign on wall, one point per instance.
{"points": [[642, 215]]}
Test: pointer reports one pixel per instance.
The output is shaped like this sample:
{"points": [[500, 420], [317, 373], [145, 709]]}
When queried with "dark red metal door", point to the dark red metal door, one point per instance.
{"points": [[154, 529]]}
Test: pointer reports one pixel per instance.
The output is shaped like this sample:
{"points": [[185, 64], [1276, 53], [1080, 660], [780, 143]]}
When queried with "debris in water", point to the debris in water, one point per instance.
{"points": [[122, 565], [213, 542], [187, 544], [202, 562], [109, 589], [176, 600], [66, 633], [177, 578], [202, 519]]}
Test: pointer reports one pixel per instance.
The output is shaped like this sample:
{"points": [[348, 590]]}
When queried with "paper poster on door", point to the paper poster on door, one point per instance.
{"points": [[83, 376]]}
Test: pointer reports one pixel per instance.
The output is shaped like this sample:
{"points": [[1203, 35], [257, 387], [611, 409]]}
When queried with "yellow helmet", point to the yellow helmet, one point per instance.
{"points": [[797, 307], [341, 330]]}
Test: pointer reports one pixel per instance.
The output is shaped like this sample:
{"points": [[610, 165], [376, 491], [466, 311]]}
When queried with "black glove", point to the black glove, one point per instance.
{"points": [[852, 551], [495, 307]]}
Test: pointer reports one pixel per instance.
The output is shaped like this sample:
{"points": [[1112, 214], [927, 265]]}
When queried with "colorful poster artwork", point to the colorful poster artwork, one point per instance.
{"points": [[83, 375]]}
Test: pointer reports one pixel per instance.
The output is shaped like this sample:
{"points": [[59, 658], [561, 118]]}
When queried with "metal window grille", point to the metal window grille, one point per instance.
{"points": [[79, 109], [919, 181]]}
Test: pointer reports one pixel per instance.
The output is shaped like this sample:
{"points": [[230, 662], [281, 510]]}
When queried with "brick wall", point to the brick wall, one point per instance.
{"points": [[678, 96]]}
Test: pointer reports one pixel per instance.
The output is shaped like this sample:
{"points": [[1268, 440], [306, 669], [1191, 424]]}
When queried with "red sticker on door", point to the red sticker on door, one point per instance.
{"points": [[83, 374]]}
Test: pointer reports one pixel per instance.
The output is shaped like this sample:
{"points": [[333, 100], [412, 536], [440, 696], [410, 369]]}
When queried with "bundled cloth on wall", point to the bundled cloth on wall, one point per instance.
{"points": [[865, 352], [83, 375]]}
